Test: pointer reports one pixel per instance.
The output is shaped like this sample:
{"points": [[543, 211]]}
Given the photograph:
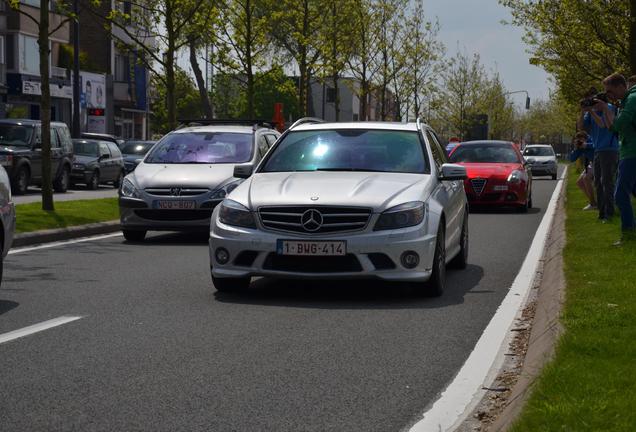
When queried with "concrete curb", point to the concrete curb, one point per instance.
{"points": [[61, 234]]}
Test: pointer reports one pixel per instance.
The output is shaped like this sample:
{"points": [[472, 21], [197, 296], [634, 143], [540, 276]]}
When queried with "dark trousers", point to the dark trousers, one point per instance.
{"points": [[605, 166], [624, 189]]}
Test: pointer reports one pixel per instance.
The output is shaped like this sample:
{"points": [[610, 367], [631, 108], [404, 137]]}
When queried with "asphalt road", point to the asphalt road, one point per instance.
{"points": [[158, 350], [76, 193]]}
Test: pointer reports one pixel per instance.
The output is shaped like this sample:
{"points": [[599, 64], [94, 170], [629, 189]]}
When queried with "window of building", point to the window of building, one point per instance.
{"points": [[10, 51], [122, 68], [29, 55], [331, 95]]}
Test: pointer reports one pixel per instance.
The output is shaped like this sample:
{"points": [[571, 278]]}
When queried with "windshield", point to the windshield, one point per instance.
{"points": [[85, 148], [538, 151], [203, 148], [484, 153], [348, 150], [15, 135], [136, 148]]}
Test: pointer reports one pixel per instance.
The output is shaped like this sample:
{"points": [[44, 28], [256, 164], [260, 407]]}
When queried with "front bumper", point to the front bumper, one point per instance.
{"points": [[138, 214], [80, 175], [498, 194], [370, 254], [543, 169]]}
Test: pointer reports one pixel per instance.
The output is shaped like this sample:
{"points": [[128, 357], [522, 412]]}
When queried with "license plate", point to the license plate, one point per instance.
{"points": [[311, 248], [175, 205]]}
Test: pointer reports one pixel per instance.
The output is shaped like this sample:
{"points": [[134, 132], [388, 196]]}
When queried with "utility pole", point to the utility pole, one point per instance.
{"points": [[76, 74]]}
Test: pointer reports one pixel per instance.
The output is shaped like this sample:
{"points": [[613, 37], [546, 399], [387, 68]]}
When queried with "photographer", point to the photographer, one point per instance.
{"points": [[605, 143], [625, 125], [582, 148]]}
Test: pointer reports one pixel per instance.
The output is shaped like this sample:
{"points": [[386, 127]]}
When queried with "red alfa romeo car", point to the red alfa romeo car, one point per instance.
{"points": [[497, 174]]}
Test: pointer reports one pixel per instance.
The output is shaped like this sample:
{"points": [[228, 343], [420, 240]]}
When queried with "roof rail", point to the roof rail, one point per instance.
{"points": [[204, 122], [306, 120]]}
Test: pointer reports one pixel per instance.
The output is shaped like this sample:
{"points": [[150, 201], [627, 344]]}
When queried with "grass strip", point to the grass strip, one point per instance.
{"points": [[31, 217], [591, 383]]}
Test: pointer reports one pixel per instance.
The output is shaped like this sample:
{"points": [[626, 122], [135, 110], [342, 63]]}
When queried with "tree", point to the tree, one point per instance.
{"points": [[159, 30], [296, 26], [464, 82], [243, 43], [422, 57], [187, 98], [578, 42], [44, 32]]}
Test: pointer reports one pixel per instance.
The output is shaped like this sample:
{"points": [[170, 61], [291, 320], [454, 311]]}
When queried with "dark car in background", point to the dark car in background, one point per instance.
{"points": [[21, 153], [134, 152], [97, 162], [102, 137]]}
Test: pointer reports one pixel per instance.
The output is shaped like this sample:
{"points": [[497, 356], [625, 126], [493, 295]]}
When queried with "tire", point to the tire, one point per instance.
{"points": [[436, 285], [530, 201], [134, 235], [120, 178], [554, 176], [61, 183], [21, 181], [461, 260], [93, 182], [231, 284]]}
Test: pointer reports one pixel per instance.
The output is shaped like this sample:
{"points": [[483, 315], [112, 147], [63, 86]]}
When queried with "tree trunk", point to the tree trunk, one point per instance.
{"points": [[632, 37], [302, 85], [198, 75], [248, 60], [45, 107], [170, 73], [337, 96]]}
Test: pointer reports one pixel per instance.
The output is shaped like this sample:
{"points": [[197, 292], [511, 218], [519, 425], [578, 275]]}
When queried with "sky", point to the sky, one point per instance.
{"points": [[475, 26]]}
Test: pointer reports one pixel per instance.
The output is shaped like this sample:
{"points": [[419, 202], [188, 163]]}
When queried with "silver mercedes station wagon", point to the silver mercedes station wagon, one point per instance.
{"points": [[344, 200]]}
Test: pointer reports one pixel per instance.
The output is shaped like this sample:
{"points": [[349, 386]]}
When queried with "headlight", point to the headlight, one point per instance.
{"points": [[402, 216], [79, 166], [235, 214], [224, 191], [6, 160], [516, 176], [128, 189]]}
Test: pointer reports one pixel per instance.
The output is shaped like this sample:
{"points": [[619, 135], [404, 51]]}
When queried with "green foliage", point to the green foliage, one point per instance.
{"points": [[578, 42], [547, 121], [188, 104]]}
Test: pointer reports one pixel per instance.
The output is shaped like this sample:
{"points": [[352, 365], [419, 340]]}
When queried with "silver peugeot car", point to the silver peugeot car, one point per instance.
{"points": [[186, 174], [344, 200]]}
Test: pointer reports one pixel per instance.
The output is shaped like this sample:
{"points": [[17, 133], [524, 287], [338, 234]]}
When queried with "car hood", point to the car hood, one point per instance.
{"points": [[83, 159], [541, 158], [13, 149], [183, 175], [491, 170], [378, 191]]}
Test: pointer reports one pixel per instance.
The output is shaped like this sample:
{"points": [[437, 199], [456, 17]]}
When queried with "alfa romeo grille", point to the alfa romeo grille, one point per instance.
{"points": [[176, 191], [314, 220], [478, 185]]}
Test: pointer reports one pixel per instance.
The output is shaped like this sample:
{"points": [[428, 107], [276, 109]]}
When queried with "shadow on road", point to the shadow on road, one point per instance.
{"points": [[353, 294], [502, 210], [7, 305], [173, 239]]}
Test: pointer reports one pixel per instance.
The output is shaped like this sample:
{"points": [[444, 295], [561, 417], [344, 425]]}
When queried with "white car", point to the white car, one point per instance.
{"points": [[344, 200], [542, 159]]}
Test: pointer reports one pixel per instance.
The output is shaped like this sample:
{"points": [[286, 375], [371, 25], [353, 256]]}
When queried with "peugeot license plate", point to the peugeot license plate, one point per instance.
{"points": [[311, 248], [174, 205]]}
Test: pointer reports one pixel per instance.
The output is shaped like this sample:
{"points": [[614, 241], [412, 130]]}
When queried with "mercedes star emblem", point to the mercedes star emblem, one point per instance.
{"points": [[311, 220]]}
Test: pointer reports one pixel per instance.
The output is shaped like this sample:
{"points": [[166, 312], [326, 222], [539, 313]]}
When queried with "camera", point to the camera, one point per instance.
{"points": [[592, 100]]}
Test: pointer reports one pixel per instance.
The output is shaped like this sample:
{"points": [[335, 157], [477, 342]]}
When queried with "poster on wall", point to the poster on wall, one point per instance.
{"points": [[94, 97]]}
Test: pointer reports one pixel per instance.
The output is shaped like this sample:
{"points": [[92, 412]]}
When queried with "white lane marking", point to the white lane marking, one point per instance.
{"points": [[63, 243], [464, 393], [37, 328]]}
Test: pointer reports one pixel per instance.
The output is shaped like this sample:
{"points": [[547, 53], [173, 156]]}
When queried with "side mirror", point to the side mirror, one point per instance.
{"points": [[453, 172], [104, 156], [37, 145], [243, 171]]}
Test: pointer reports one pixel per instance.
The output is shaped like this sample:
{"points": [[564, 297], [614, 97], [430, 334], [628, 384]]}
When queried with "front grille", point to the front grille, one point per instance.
{"points": [[176, 191], [478, 185], [307, 264], [174, 215], [334, 219]]}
